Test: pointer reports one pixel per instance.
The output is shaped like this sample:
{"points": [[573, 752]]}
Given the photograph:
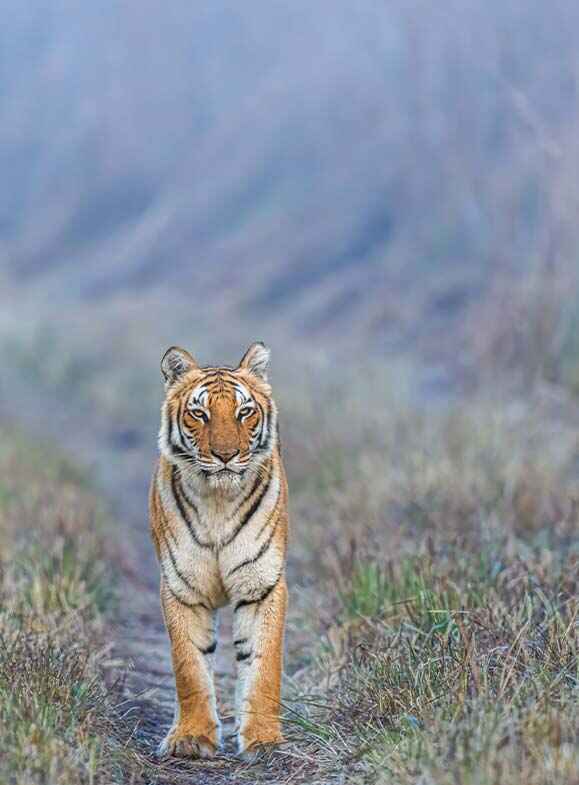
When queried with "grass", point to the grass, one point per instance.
{"points": [[450, 563], [438, 683], [59, 719], [432, 636]]}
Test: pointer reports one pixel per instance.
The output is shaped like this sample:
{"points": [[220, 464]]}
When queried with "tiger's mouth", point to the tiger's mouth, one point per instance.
{"points": [[228, 481], [224, 472]]}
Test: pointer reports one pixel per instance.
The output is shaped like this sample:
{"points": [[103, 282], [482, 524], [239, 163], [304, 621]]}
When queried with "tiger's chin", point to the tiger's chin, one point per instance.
{"points": [[226, 481]]}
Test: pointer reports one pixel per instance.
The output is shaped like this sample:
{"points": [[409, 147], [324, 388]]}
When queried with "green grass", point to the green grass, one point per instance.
{"points": [[441, 686], [413, 589]]}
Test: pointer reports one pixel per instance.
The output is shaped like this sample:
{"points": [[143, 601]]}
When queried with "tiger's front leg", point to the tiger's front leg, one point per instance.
{"points": [[196, 729], [258, 639]]}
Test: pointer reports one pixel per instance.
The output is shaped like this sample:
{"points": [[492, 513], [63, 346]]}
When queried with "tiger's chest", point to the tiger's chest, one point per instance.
{"points": [[220, 552]]}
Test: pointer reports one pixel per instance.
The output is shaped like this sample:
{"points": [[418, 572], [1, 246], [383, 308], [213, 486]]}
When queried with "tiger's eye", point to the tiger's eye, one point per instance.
{"points": [[199, 413], [245, 411]]}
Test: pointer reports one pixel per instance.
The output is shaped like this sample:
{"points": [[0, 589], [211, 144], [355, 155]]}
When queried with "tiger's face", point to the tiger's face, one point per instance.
{"points": [[218, 424]]}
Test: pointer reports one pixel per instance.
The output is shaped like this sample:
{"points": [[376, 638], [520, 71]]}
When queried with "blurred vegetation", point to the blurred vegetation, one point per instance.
{"points": [[329, 172], [527, 328]]}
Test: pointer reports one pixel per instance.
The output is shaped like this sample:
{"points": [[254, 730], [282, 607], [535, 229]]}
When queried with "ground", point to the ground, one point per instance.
{"points": [[432, 633]]}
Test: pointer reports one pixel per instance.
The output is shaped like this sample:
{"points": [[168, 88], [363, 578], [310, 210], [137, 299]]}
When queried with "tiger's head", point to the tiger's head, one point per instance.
{"points": [[219, 425]]}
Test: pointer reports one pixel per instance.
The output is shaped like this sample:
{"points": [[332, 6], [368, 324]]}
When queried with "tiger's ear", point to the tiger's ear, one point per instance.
{"points": [[175, 363], [256, 360]]}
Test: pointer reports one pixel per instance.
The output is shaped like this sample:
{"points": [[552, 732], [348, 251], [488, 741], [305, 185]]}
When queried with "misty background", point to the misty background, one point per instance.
{"points": [[378, 187]]}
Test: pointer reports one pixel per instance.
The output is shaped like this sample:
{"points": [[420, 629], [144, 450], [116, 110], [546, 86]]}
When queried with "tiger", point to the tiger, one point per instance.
{"points": [[219, 520]]}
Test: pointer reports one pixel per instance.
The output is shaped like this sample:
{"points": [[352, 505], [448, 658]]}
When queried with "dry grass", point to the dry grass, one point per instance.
{"points": [[448, 551], [432, 636], [59, 718]]}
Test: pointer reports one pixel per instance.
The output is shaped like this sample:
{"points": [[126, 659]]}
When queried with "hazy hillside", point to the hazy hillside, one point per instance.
{"points": [[347, 182], [322, 166]]}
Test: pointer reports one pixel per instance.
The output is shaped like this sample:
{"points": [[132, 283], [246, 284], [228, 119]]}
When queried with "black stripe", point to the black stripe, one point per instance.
{"points": [[178, 572], [180, 600], [250, 513], [242, 655], [269, 424], [261, 422], [264, 548], [168, 582], [190, 605], [265, 442], [188, 499], [239, 641], [174, 450], [170, 444], [184, 440], [248, 495], [167, 530], [209, 650], [214, 381], [264, 425], [177, 452], [182, 512], [264, 595], [266, 524], [178, 418], [180, 444]]}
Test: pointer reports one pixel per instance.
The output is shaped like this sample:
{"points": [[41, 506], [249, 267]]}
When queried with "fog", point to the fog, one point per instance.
{"points": [[362, 181]]}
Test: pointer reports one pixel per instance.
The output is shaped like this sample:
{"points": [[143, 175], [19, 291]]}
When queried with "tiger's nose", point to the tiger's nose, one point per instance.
{"points": [[225, 454]]}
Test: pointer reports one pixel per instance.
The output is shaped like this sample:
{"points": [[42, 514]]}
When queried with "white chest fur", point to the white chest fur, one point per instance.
{"points": [[221, 548]]}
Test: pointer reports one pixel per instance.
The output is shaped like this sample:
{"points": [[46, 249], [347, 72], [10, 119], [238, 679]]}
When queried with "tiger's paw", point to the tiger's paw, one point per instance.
{"points": [[252, 749], [183, 744]]}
